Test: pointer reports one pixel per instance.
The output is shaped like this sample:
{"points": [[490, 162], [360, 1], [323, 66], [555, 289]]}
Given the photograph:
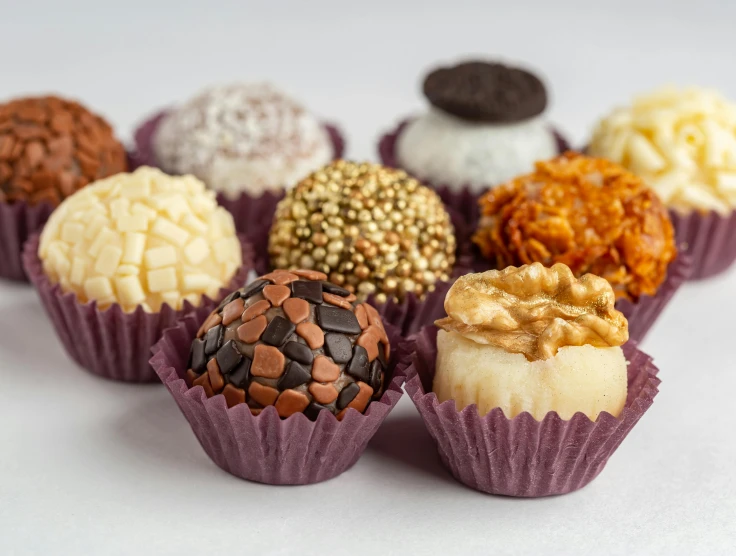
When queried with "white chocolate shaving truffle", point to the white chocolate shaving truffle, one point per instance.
{"points": [[242, 138], [143, 238], [447, 150], [681, 141], [532, 339]]}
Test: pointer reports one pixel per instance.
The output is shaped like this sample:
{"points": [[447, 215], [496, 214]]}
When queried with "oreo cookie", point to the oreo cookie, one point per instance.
{"points": [[486, 92]]}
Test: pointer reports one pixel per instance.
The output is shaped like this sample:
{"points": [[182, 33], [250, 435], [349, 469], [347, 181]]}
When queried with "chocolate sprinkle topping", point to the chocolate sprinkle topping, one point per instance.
{"points": [[311, 291], [337, 320], [213, 339], [295, 375], [359, 366], [240, 376], [197, 360], [299, 352], [312, 411], [228, 357], [254, 288], [278, 330], [334, 289], [347, 395], [338, 347]]}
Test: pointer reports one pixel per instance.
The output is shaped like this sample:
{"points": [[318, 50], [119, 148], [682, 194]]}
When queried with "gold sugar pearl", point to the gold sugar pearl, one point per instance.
{"points": [[371, 229]]}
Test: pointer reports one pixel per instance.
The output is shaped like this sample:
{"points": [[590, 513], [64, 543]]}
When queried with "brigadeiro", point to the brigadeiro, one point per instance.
{"points": [[283, 351], [124, 258], [246, 141], [593, 216], [529, 386], [49, 148], [682, 143], [485, 125], [373, 230]]}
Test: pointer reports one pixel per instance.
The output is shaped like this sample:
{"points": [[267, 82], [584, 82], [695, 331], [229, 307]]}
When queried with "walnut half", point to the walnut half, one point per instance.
{"points": [[534, 310]]}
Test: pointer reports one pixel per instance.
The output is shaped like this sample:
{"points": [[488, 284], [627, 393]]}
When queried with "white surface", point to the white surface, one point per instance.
{"points": [[92, 467]]}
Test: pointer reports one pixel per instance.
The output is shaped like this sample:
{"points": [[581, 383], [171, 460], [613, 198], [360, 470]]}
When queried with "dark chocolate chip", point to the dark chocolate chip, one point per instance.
{"points": [[359, 366], [337, 319], [382, 355], [313, 410], [306, 289], [228, 299], [197, 359], [334, 289], [241, 374], [338, 347], [299, 352], [295, 375], [376, 375], [228, 357], [254, 288], [277, 331], [213, 339], [347, 395]]}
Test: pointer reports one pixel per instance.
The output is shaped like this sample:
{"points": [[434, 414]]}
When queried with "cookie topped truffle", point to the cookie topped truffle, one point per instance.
{"points": [[371, 229], [142, 239], [246, 137], [50, 147], [587, 213], [484, 126], [682, 142], [533, 339], [293, 340]]}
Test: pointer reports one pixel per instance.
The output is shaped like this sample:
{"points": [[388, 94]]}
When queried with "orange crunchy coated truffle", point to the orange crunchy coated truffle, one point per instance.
{"points": [[588, 213]]}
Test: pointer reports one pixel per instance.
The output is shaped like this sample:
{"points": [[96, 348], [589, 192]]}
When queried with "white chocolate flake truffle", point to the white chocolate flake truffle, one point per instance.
{"points": [[143, 238], [682, 142], [447, 150], [242, 138]]}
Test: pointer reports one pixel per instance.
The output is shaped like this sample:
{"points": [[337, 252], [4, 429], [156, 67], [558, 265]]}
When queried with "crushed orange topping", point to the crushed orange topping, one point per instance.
{"points": [[588, 213]]}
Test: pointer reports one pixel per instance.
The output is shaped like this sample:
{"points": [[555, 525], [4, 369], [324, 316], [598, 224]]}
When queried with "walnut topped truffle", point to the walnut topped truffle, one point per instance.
{"points": [[50, 147], [534, 310], [588, 213], [371, 229], [293, 340]]}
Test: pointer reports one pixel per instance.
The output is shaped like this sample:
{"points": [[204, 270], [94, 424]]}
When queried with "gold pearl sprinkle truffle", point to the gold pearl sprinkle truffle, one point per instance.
{"points": [[371, 229]]}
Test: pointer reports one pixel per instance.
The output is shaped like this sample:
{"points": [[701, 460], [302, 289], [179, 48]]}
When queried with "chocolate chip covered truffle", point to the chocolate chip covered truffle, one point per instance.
{"points": [[484, 126], [244, 137], [293, 340], [371, 229], [50, 147]]}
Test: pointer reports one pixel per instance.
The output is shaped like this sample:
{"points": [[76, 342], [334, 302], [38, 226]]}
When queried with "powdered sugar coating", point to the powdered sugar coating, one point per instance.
{"points": [[242, 138], [444, 149]]}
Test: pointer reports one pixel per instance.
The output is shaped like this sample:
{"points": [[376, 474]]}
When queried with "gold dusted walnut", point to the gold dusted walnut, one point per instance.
{"points": [[371, 229], [587, 213]]}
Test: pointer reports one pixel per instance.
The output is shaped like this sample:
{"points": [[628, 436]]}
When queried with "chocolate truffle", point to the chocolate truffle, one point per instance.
{"points": [[141, 239], [50, 147], [682, 142], [532, 339], [484, 126], [372, 229], [295, 341], [242, 138], [587, 213]]}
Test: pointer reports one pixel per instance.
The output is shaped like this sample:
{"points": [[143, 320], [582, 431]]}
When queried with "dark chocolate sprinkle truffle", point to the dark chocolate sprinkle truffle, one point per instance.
{"points": [[286, 363], [486, 92]]}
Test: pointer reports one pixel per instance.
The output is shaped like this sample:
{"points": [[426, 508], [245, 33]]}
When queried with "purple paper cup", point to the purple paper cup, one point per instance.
{"points": [[265, 448], [522, 456], [708, 238], [111, 343], [18, 221]]}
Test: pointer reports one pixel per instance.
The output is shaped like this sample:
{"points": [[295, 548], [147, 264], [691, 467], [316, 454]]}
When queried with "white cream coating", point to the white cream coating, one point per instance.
{"points": [[447, 150], [142, 238], [579, 378], [682, 142], [242, 138]]}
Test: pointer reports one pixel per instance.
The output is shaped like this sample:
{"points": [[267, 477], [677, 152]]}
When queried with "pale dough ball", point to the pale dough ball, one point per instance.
{"points": [[586, 379], [141, 239], [446, 150]]}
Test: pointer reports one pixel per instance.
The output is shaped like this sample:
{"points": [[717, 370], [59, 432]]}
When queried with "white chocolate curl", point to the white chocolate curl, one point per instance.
{"points": [[143, 238], [681, 141], [534, 310]]}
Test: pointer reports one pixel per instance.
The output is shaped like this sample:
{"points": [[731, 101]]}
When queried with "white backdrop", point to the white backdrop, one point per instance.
{"points": [[92, 467]]}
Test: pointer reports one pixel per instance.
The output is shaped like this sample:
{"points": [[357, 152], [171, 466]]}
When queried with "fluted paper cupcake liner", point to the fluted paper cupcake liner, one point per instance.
{"points": [[111, 343], [709, 239], [18, 221], [266, 448], [522, 456]]}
